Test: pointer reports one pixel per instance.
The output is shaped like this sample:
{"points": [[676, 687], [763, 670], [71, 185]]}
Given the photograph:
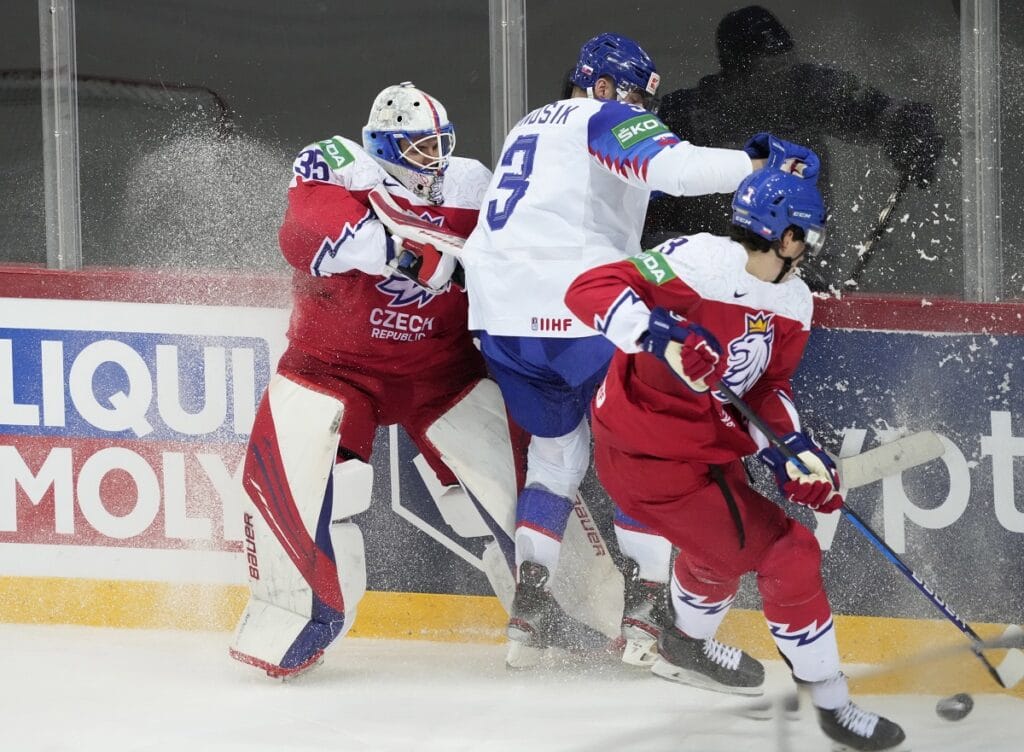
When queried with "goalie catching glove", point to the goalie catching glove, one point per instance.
{"points": [[690, 350], [423, 264], [818, 488]]}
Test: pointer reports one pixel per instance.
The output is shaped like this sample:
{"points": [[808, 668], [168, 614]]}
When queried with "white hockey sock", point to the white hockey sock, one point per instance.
{"points": [[652, 553], [695, 615], [533, 545]]}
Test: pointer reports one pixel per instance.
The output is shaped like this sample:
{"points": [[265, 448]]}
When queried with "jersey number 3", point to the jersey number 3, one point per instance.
{"points": [[514, 180]]}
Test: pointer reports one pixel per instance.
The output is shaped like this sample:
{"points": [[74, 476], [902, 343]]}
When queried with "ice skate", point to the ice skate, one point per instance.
{"points": [[645, 614], [853, 728], [537, 622], [707, 664]]}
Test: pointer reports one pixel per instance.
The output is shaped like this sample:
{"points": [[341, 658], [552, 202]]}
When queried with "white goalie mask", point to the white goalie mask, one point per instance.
{"points": [[409, 134]]}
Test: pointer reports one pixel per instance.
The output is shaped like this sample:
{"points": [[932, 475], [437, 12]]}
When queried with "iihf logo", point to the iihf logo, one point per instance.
{"points": [[404, 292], [748, 195], [550, 324]]}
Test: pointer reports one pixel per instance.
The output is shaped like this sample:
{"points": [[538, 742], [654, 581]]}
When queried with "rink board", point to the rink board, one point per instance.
{"points": [[122, 428]]}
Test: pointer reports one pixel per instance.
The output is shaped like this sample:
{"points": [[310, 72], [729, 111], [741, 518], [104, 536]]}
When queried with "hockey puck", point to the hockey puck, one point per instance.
{"points": [[954, 708]]}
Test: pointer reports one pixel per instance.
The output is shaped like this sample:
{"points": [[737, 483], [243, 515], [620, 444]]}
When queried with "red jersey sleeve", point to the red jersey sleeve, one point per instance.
{"points": [[616, 299], [328, 226]]}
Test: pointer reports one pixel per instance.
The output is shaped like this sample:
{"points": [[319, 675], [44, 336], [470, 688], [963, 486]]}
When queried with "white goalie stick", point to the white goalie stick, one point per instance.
{"points": [[408, 226]]}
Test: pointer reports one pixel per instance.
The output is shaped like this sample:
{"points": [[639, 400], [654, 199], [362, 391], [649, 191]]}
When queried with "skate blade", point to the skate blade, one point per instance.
{"points": [[640, 652], [666, 670], [767, 708], [522, 656], [840, 747]]}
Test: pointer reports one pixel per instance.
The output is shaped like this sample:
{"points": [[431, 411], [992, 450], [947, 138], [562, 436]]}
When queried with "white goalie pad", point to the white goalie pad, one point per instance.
{"points": [[352, 489], [352, 494], [473, 440], [264, 635], [291, 456], [456, 508], [350, 556], [298, 451], [587, 584]]}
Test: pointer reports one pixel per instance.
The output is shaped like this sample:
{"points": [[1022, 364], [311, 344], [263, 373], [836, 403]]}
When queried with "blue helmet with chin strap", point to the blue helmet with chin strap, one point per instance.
{"points": [[622, 60], [769, 201]]}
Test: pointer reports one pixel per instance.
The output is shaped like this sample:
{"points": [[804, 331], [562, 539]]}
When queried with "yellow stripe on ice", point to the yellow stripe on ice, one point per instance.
{"points": [[465, 618]]}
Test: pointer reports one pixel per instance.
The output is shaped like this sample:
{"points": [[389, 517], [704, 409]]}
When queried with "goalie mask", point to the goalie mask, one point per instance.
{"points": [[409, 134]]}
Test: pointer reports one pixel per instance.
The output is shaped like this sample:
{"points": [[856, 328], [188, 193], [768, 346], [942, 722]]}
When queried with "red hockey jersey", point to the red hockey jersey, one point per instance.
{"points": [[348, 310], [643, 408]]}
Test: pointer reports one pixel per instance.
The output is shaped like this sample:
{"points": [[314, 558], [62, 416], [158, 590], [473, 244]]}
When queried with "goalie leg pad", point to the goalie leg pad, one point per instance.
{"points": [[472, 437], [296, 606], [353, 492], [353, 488]]}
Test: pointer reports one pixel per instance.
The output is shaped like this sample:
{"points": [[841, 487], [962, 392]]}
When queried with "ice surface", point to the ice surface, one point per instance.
{"points": [[93, 690]]}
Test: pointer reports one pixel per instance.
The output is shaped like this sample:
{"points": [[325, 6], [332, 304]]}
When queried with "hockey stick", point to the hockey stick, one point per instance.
{"points": [[868, 251], [888, 459], [407, 225], [877, 542]]}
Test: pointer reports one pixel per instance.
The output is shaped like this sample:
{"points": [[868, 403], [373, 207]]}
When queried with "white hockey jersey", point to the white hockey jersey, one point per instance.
{"points": [[570, 192]]}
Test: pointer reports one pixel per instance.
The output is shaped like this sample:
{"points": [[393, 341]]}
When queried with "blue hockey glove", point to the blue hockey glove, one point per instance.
{"points": [[818, 488], [783, 155], [690, 350]]}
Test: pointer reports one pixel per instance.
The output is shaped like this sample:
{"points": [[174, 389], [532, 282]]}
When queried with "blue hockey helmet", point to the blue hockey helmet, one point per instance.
{"points": [[409, 134], [769, 201], [622, 60]]}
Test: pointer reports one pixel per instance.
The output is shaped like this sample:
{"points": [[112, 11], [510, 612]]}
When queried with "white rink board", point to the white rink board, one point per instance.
{"points": [[161, 393]]}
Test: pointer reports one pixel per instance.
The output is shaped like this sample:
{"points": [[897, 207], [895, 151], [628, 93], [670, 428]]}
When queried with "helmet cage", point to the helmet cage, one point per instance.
{"points": [[388, 145]]}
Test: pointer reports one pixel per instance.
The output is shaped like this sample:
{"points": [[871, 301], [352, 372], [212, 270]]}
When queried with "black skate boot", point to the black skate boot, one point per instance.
{"points": [[853, 728], [707, 664], [647, 611], [538, 622]]}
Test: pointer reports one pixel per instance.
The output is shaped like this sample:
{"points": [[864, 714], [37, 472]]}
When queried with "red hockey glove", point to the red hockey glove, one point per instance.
{"points": [[818, 488], [423, 264], [690, 350]]}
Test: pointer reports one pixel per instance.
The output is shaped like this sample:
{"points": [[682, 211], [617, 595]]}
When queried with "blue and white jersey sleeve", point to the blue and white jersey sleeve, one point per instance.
{"points": [[636, 146], [570, 192]]}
